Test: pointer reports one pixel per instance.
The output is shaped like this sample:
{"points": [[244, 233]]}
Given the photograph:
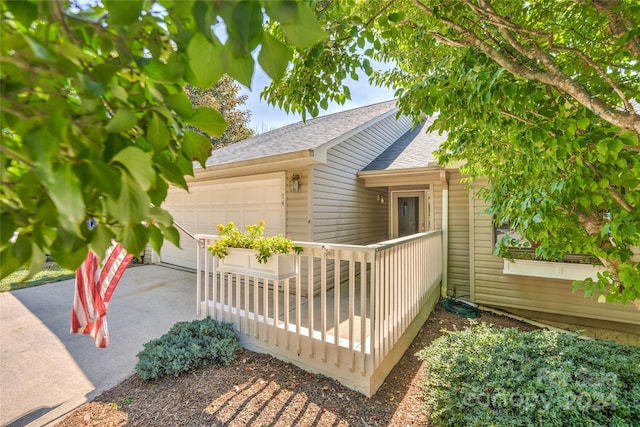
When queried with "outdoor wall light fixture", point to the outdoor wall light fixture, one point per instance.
{"points": [[380, 198], [294, 184]]}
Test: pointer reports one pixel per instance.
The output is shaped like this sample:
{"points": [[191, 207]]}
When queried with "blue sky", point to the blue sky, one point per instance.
{"points": [[264, 117]]}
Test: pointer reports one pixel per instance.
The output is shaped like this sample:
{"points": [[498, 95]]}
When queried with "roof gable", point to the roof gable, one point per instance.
{"points": [[302, 136]]}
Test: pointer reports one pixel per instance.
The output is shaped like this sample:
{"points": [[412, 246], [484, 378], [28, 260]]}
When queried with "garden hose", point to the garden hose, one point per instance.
{"points": [[461, 308]]}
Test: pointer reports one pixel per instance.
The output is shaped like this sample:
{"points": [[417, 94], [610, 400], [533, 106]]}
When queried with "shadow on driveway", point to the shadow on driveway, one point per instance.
{"points": [[45, 371]]}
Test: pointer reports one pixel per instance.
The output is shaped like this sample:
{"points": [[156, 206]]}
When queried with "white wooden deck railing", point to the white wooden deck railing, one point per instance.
{"points": [[346, 313]]}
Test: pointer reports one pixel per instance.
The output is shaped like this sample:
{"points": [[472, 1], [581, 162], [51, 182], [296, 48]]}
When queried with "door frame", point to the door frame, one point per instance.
{"points": [[424, 205]]}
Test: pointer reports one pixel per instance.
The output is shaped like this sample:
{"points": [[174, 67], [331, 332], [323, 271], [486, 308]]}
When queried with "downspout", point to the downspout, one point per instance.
{"points": [[445, 231]]}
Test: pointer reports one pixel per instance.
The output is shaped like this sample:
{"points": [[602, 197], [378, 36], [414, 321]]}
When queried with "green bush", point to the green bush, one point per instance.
{"points": [[503, 377], [187, 346]]}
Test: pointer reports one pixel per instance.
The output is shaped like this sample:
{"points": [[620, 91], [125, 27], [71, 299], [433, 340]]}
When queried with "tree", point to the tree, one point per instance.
{"points": [[93, 113], [538, 96], [223, 97]]}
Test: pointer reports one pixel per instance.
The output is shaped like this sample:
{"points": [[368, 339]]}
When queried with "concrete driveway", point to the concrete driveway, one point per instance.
{"points": [[45, 372]]}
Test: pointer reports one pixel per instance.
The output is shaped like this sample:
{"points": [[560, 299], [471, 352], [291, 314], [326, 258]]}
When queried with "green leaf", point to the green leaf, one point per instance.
{"points": [[205, 61], [155, 238], [24, 11], [305, 32], [603, 147], [157, 133], [615, 145], [38, 258], [64, 190], [245, 27], [240, 68], [196, 147], [40, 51], [158, 192], [122, 121], [138, 164], [180, 103], [123, 12], [166, 73], [283, 11], [208, 120], [171, 172], [101, 238], [628, 138], [171, 234], [274, 56], [103, 177], [160, 216], [583, 123], [134, 238], [8, 261], [132, 206]]}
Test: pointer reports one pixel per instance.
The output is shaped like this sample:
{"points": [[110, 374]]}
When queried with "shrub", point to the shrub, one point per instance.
{"points": [[503, 377], [187, 346]]}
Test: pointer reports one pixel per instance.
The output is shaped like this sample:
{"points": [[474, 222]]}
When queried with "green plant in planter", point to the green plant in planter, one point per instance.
{"points": [[252, 238]]}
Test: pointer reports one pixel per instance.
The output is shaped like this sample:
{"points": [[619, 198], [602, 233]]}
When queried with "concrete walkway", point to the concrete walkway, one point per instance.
{"points": [[46, 372]]}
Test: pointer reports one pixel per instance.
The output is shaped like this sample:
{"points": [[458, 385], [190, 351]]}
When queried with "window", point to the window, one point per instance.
{"points": [[508, 243]]}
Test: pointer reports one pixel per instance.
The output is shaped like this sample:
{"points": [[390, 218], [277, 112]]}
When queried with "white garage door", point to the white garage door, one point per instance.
{"points": [[207, 205]]}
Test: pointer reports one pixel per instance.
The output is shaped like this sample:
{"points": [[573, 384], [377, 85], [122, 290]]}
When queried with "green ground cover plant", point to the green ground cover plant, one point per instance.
{"points": [[483, 376], [19, 279], [187, 346]]}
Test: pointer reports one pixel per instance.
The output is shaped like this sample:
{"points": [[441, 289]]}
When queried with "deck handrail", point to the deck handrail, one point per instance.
{"points": [[401, 240], [372, 248]]}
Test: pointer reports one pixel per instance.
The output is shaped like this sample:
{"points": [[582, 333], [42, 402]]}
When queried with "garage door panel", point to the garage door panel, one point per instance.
{"points": [[235, 195], [252, 215], [209, 205], [254, 195], [272, 193]]}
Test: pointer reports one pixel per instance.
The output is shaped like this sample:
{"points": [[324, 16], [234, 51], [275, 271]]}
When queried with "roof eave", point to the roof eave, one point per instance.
{"points": [[275, 163], [395, 177]]}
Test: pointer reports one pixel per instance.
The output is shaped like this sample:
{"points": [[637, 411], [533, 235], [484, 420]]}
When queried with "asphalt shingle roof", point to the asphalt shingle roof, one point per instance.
{"points": [[299, 136], [414, 149]]}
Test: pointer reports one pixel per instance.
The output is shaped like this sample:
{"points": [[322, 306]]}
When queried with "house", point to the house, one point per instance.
{"points": [[385, 230]]}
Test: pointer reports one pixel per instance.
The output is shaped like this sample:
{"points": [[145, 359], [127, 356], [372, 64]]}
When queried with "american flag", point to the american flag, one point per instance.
{"points": [[94, 287]]}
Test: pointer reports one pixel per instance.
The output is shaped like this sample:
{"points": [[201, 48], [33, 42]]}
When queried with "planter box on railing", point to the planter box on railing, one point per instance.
{"points": [[244, 261], [553, 270]]}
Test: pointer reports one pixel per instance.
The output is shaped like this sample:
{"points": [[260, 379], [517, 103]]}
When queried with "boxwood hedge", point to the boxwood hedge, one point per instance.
{"points": [[503, 377]]}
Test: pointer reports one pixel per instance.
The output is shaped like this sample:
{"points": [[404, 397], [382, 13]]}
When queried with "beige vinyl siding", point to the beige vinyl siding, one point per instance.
{"points": [[458, 267], [297, 209], [534, 294], [343, 209]]}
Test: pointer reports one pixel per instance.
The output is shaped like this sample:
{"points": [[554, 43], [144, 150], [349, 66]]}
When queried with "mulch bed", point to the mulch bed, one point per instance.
{"points": [[258, 390]]}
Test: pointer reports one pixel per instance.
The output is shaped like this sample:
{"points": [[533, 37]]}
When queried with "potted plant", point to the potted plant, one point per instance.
{"points": [[251, 252]]}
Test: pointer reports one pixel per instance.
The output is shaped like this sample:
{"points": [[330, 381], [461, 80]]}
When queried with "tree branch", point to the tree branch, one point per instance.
{"points": [[625, 120], [617, 196]]}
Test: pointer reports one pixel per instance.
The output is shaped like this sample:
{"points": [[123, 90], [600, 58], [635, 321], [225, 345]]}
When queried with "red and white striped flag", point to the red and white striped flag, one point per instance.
{"points": [[94, 287]]}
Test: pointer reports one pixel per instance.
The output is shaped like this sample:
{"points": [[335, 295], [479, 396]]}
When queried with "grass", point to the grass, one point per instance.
{"points": [[18, 279]]}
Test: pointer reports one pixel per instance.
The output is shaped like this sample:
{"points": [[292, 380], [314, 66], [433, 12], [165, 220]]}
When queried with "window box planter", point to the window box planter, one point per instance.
{"points": [[244, 261], [553, 270]]}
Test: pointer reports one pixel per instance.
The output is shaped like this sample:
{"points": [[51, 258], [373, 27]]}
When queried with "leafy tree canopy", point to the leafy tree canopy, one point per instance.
{"points": [[93, 113], [538, 96], [224, 97]]}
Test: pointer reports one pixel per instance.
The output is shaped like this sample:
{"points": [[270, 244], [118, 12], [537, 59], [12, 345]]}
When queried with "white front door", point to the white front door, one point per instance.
{"points": [[409, 212]]}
